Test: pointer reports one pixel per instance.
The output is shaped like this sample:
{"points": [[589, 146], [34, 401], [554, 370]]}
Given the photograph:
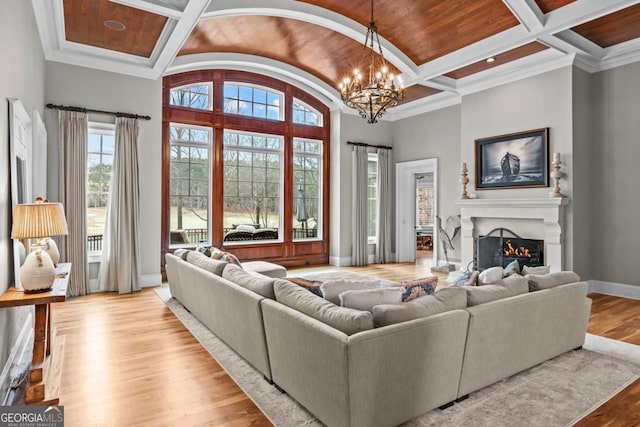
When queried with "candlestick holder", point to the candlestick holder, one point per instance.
{"points": [[556, 175], [464, 181]]}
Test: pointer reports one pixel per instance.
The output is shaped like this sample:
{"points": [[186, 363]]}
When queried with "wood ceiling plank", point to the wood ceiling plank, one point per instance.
{"points": [[428, 29], [613, 29], [547, 6], [503, 58], [326, 54], [418, 91], [84, 23]]}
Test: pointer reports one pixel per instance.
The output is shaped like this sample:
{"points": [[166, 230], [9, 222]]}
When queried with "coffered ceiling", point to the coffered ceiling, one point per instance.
{"points": [[439, 47]]}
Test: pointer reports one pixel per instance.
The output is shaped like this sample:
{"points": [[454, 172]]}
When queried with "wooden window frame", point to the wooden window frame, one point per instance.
{"points": [[286, 252]]}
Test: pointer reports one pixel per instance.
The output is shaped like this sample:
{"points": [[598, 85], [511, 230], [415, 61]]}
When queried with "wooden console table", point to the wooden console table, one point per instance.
{"points": [[46, 366]]}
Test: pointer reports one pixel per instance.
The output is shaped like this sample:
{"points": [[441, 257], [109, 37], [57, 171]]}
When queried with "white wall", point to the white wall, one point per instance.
{"points": [[84, 87], [615, 199], [22, 77]]}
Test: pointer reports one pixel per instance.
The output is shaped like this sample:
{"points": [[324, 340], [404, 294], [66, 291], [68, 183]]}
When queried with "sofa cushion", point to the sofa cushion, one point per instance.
{"points": [[201, 260], [331, 289], [543, 269], [261, 285], [505, 288], [417, 288], [344, 319], [490, 275], [266, 268], [443, 300], [546, 281], [181, 253], [366, 299]]}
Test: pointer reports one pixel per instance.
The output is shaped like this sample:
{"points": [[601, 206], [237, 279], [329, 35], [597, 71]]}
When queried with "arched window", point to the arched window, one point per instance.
{"points": [[245, 167]]}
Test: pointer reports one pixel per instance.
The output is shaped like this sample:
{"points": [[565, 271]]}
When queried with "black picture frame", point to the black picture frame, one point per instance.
{"points": [[515, 160]]}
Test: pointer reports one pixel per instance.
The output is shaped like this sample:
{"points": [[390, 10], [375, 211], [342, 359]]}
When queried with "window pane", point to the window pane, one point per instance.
{"points": [[197, 96], [100, 145], [306, 196], [94, 143], [252, 101], [257, 200], [372, 196], [305, 115], [189, 184]]}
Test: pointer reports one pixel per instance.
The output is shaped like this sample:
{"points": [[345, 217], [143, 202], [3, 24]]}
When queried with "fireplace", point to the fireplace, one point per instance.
{"points": [[502, 246]]}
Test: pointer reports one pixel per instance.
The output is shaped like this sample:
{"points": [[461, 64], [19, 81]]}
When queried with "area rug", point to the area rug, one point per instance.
{"points": [[558, 392]]}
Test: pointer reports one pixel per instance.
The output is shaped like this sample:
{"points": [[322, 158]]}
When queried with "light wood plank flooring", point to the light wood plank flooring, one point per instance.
{"points": [[130, 362]]}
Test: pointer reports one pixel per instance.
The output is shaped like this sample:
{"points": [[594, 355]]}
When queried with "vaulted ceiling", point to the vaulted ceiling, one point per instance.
{"points": [[439, 47]]}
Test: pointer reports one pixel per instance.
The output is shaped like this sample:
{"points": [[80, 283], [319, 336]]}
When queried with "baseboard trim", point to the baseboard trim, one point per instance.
{"points": [[18, 354], [614, 289], [340, 261]]}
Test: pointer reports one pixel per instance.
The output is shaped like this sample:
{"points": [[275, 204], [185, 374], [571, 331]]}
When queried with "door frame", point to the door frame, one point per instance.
{"points": [[406, 207]]}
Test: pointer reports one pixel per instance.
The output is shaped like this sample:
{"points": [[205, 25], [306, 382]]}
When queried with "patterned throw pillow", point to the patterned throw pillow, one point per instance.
{"points": [[312, 286], [417, 288], [204, 250], [468, 278], [216, 253]]}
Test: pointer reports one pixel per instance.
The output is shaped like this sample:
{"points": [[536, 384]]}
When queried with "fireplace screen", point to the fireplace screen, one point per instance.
{"points": [[501, 246]]}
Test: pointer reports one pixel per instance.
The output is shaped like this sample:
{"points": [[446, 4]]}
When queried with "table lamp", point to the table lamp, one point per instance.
{"points": [[35, 221]]}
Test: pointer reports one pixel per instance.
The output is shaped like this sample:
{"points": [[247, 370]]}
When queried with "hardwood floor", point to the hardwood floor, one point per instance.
{"points": [[130, 362]]}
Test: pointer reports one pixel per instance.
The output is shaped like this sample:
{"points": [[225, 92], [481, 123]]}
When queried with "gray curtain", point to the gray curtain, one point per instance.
{"points": [[120, 266], [359, 235], [383, 246], [72, 137]]}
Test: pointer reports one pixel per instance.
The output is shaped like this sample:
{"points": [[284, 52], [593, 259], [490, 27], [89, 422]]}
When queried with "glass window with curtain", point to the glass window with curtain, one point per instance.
{"points": [[100, 149], [189, 185], [372, 197], [307, 188], [252, 186], [196, 96], [253, 101]]}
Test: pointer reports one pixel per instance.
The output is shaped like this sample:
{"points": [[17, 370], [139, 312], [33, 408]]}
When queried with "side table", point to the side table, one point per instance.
{"points": [[46, 366]]}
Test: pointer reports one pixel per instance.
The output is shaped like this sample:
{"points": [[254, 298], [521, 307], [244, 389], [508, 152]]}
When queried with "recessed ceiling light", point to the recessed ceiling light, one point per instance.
{"points": [[114, 25], [491, 59]]}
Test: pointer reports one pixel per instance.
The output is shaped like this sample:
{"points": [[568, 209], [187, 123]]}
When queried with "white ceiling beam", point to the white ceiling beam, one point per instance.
{"points": [[527, 12], [442, 83], [154, 7], [573, 42]]}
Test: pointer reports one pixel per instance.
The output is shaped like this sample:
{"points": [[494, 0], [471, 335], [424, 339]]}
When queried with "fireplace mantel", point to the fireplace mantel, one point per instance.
{"points": [[548, 210]]}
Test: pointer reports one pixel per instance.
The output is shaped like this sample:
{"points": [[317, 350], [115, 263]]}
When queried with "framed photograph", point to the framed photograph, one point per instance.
{"points": [[513, 161]]}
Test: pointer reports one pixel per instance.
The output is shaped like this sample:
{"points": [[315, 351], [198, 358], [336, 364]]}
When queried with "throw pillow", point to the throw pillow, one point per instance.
{"points": [[204, 250], [181, 253], [331, 289], [216, 253], [312, 286], [201, 260], [546, 281], [344, 319], [246, 227], [443, 300], [512, 268], [418, 287], [509, 287], [261, 285], [366, 299], [544, 269], [468, 278], [490, 275]]}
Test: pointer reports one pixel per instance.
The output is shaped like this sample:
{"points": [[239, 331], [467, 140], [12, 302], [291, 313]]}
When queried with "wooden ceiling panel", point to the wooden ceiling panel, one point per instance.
{"points": [[84, 22], [503, 58], [612, 29], [428, 29], [547, 6], [415, 92], [326, 54]]}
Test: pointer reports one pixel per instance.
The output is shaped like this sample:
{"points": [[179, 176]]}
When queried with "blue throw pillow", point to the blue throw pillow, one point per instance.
{"points": [[512, 268]]}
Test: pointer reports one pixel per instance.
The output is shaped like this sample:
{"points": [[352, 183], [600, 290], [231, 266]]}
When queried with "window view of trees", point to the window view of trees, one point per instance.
{"points": [[189, 184], [252, 181], [307, 190], [101, 144], [305, 115], [372, 198], [196, 96]]}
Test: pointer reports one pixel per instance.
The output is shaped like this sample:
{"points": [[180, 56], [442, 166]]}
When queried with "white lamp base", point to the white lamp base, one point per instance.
{"points": [[37, 274]]}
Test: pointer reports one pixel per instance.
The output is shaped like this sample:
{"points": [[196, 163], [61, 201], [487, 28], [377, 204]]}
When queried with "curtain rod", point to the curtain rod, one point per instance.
{"points": [[362, 144], [89, 110]]}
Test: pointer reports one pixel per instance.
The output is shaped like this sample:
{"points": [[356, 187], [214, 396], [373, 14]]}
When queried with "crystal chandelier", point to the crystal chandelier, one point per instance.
{"points": [[382, 90]]}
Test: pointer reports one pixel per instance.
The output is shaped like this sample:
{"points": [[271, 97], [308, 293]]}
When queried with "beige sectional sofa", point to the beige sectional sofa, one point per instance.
{"points": [[381, 368]]}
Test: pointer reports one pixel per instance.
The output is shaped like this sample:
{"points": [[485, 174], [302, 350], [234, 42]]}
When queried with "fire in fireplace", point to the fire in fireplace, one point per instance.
{"points": [[502, 246]]}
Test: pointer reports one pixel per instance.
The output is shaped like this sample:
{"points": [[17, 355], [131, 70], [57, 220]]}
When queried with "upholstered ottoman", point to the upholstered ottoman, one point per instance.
{"points": [[266, 268]]}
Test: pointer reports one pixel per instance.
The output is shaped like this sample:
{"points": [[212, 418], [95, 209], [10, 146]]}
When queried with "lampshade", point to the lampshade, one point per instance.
{"points": [[35, 220]]}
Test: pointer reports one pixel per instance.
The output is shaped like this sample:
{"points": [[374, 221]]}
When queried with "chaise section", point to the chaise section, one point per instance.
{"points": [[510, 335]]}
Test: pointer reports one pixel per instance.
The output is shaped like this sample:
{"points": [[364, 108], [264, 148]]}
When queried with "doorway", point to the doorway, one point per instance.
{"points": [[424, 218], [407, 174]]}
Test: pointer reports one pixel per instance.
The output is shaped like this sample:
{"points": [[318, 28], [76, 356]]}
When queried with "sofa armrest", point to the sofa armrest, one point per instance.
{"points": [[401, 371]]}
